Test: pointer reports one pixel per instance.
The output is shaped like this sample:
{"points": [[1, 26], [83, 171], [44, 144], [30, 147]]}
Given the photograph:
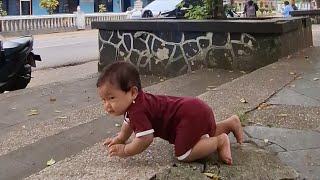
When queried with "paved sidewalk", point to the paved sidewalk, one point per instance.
{"points": [[298, 149]]}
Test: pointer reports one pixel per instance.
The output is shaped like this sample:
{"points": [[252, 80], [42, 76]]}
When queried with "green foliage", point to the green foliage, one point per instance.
{"points": [[197, 12], [200, 11], [2, 12], [49, 5], [102, 8]]}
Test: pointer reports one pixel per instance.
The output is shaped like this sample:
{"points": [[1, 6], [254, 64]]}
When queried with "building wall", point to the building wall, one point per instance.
{"points": [[12, 6], [87, 6], [36, 10]]}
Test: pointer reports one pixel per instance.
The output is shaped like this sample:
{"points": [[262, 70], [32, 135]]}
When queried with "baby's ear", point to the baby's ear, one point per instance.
{"points": [[134, 92]]}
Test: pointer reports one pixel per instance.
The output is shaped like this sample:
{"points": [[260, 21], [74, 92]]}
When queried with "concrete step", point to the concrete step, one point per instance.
{"points": [[28, 142]]}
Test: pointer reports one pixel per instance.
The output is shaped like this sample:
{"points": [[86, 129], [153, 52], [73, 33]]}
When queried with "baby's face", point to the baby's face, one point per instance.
{"points": [[115, 101]]}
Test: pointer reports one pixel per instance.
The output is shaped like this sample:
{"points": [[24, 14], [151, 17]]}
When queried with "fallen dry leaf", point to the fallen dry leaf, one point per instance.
{"points": [[266, 141], [56, 111], [271, 79], [263, 105], [214, 89], [53, 99], [243, 72], [212, 175], [282, 115], [62, 117], [292, 85], [243, 100], [33, 112], [51, 162], [292, 73], [315, 79]]}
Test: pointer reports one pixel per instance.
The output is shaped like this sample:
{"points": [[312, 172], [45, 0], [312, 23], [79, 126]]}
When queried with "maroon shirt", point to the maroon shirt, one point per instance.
{"points": [[161, 115]]}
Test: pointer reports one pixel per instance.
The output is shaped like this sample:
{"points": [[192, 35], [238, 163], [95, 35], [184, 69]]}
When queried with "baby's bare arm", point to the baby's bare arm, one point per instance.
{"points": [[125, 132], [138, 145]]}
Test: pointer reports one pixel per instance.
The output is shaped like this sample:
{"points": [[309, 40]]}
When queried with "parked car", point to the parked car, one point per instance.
{"points": [[158, 8]]}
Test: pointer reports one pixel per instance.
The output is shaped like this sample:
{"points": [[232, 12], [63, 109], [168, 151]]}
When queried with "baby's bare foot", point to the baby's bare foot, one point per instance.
{"points": [[224, 150], [237, 129]]}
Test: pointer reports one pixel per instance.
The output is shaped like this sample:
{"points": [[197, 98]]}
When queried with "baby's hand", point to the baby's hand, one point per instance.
{"points": [[117, 150], [112, 141]]}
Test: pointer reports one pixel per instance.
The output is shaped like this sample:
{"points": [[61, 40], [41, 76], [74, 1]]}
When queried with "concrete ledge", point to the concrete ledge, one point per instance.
{"points": [[257, 25], [171, 47], [314, 14]]}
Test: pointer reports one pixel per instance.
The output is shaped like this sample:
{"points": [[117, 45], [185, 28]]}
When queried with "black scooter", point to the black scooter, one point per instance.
{"points": [[16, 60]]}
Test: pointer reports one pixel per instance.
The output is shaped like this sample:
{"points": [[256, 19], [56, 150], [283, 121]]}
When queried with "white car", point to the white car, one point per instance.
{"points": [[157, 8]]}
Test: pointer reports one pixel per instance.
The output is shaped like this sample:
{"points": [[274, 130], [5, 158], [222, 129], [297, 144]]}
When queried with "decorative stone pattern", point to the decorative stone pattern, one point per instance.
{"points": [[175, 53]]}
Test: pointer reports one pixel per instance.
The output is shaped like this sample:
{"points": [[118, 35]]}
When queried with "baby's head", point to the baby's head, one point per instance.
{"points": [[118, 86]]}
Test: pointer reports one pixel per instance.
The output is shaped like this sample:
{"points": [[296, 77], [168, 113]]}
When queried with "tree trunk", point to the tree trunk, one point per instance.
{"points": [[217, 9]]}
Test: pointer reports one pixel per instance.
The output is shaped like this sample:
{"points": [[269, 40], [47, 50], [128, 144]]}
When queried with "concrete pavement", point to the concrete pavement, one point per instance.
{"points": [[251, 162], [67, 126]]}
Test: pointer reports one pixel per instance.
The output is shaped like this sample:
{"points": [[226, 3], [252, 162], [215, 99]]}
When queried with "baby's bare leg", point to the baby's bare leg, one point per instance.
{"points": [[232, 124], [206, 146]]}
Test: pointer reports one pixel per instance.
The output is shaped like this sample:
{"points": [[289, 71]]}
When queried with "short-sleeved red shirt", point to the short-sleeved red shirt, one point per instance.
{"points": [[180, 120]]}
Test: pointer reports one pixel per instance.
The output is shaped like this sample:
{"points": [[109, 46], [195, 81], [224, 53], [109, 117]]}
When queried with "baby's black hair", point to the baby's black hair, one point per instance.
{"points": [[122, 74], [286, 2]]}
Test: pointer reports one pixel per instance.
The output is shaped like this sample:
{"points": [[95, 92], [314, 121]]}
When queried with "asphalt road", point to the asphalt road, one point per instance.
{"points": [[72, 48], [64, 49]]}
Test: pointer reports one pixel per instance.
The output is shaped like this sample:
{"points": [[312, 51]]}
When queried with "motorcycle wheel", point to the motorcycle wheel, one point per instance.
{"points": [[23, 78]]}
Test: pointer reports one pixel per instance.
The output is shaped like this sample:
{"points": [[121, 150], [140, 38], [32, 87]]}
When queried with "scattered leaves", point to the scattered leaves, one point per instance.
{"points": [[243, 100], [266, 141], [282, 115], [316, 79], [51, 162], [117, 125], [243, 72], [53, 99], [23, 127], [161, 80], [292, 73], [56, 111], [292, 85]]}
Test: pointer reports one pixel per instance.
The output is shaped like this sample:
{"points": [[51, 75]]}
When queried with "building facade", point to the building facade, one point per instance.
{"points": [[31, 7]]}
